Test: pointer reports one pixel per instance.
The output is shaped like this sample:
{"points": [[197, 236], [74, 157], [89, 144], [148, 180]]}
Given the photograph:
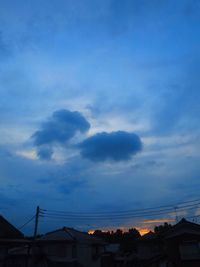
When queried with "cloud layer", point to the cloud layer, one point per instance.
{"points": [[117, 146]]}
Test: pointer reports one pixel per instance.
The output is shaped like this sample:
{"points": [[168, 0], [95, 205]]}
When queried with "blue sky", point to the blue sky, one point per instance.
{"points": [[99, 104]]}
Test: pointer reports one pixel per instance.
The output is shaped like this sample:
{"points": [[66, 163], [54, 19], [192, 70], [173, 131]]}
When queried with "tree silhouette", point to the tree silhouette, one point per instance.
{"points": [[162, 228]]}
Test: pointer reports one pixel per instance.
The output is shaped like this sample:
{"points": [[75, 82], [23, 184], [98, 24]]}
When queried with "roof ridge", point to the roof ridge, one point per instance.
{"points": [[67, 230], [183, 220], [54, 231]]}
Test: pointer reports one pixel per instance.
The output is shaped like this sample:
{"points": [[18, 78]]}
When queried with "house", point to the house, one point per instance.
{"points": [[63, 247], [176, 247], [10, 236], [114, 257], [182, 244], [7, 230], [149, 246], [108, 257], [71, 248]]}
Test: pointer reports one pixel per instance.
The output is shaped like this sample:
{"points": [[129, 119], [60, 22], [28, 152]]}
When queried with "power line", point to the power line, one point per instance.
{"points": [[31, 219], [116, 217], [97, 216], [71, 213], [193, 217]]}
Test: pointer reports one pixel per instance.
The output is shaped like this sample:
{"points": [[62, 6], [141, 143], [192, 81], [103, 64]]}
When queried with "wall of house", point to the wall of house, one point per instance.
{"points": [[3, 254], [62, 250], [182, 247], [147, 250], [88, 255]]}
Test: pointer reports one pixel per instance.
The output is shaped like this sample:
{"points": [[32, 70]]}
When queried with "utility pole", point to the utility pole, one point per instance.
{"points": [[30, 251], [36, 221]]}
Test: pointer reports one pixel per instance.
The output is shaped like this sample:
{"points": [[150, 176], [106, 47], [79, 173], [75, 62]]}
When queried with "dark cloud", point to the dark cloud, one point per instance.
{"points": [[117, 146], [58, 129]]}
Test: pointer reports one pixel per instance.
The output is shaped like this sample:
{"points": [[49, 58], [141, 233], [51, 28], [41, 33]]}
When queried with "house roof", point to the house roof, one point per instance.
{"points": [[71, 235], [183, 227], [7, 230], [150, 236]]}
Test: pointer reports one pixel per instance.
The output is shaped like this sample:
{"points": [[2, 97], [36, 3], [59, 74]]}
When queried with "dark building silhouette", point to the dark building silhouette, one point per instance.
{"points": [[65, 247], [168, 246], [10, 237], [7, 230], [177, 247]]}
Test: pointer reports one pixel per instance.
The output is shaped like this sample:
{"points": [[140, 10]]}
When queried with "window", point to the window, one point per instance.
{"points": [[95, 252], [189, 249], [58, 250]]}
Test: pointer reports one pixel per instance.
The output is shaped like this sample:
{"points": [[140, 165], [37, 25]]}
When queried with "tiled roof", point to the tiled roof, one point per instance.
{"points": [[60, 234], [70, 234]]}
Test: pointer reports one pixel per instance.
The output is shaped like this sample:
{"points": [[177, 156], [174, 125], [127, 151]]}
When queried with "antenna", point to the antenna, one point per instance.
{"points": [[175, 209]]}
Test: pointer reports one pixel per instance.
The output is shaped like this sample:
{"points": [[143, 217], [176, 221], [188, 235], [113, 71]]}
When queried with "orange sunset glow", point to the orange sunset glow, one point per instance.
{"points": [[141, 230], [146, 226]]}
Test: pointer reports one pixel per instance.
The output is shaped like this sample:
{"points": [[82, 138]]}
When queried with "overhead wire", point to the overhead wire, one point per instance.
{"points": [[106, 216], [120, 212], [27, 222]]}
